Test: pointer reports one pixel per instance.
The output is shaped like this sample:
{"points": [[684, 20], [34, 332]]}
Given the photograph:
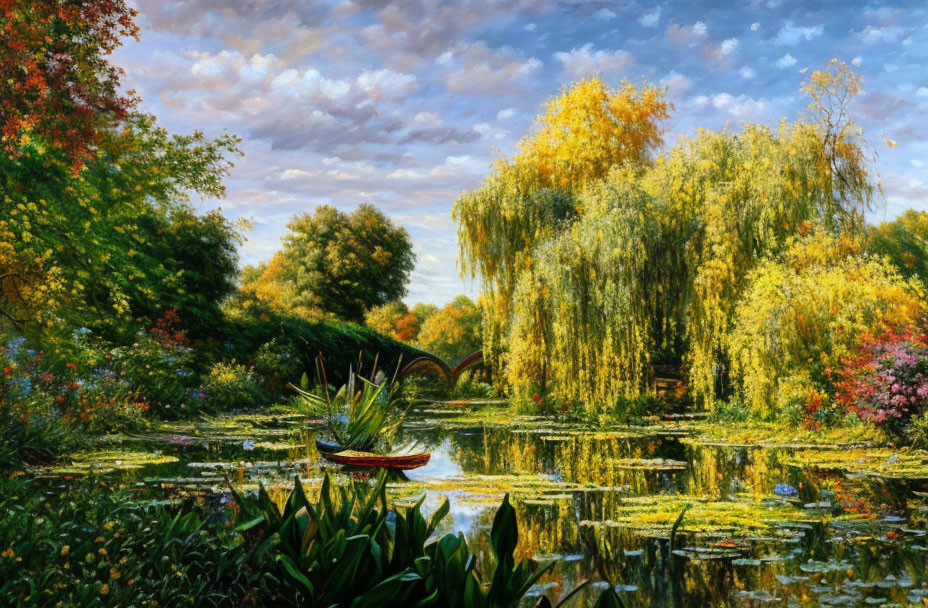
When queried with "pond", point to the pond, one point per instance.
{"points": [[765, 525]]}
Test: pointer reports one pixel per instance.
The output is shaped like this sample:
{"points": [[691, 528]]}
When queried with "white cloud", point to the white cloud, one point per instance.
{"points": [[917, 163], [444, 58], [388, 83], [729, 46], [922, 92], [530, 27], [792, 35], [604, 14], [856, 61], [651, 18], [786, 61], [584, 60], [755, 26], [871, 34], [489, 131], [722, 100], [505, 114], [747, 73]]}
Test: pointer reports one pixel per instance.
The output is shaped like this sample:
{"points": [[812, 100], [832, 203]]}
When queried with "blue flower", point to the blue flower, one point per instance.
{"points": [[784, 489]]}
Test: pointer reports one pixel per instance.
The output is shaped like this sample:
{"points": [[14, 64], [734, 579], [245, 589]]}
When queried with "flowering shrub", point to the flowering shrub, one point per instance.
{"points": [[159, 368], [887, 383], [231, 386], [44, 410], [801, 316]]}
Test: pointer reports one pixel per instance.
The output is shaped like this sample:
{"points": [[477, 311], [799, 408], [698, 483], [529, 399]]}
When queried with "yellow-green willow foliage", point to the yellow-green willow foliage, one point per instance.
{"points": [[528, 199], [650, 258], [583, 319], [805, 312]]}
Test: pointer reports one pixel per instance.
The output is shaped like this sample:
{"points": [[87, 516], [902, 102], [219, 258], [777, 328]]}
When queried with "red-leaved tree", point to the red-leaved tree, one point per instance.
{"points": [[57, 88]]}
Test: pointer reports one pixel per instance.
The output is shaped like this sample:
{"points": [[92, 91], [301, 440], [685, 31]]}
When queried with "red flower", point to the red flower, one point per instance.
{"points": [[71, 365]]}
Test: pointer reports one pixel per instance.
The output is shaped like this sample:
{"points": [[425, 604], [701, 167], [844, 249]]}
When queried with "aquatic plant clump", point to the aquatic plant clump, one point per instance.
{"points": [[362, 415]]}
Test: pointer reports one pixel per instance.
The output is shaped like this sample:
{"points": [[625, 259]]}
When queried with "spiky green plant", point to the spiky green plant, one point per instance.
{"points": [[363, 415]]}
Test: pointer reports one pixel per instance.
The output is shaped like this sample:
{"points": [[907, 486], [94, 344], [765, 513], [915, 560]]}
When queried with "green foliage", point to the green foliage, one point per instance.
{"points": [[362, 415], [276, 365], [349, 549], [454, 331], [97, 547], [905, 242], [345, 264], [803, 315], [232, 386], [128, 208]]}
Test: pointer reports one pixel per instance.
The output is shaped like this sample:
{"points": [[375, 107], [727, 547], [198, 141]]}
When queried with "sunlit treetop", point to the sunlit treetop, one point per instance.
{"points": [[590, 128]]}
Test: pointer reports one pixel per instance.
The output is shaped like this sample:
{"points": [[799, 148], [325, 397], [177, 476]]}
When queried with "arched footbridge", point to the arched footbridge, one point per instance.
{"points": [[427, 362]]}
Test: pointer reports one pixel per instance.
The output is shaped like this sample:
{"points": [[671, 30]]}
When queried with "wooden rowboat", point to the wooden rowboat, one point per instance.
{"points": [[379, 461]]}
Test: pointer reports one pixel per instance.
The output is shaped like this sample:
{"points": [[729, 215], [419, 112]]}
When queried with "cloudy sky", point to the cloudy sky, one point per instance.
{"points": [[406, 104]]}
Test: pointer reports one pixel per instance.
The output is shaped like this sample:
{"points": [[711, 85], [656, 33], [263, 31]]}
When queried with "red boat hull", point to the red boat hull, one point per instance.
{"points": [[379, 461]]}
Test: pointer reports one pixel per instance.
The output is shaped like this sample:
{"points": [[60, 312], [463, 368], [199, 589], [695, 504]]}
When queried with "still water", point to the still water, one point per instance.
{"points": [[764, 526]]}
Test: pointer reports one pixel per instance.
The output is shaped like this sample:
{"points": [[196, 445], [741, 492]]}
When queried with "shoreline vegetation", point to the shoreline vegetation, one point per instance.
{"points": [[692, 360]]}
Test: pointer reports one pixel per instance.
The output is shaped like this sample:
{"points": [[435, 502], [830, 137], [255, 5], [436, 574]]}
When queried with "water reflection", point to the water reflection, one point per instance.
{"points": [[764, 528]]}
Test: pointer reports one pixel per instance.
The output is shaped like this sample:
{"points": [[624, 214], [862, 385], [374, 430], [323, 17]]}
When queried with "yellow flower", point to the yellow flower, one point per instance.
{"points": [[101, 551], [8, 553], [105, 589], [65, 549]]}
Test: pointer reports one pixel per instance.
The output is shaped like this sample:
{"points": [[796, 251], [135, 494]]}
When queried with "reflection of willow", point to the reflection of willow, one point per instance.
{"points": [[717, 472], [599, 461]]}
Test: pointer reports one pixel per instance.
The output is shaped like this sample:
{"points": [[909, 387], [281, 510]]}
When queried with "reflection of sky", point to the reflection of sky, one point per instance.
{"points": [[403, 104], [443, 466]]}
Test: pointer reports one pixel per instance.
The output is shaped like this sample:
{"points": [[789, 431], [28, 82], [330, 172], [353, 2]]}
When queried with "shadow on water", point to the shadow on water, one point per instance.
{"points": [[763, 526]]}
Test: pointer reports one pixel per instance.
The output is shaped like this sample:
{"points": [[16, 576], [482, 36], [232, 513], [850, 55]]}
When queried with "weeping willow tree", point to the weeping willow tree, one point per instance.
{"points": [[590, 283], [531, 197]]}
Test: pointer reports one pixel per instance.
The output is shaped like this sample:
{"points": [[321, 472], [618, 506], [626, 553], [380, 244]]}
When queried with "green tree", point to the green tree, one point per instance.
{"points": [[905, 242], [90, 247], [345, 264], [454, 331], [200, 260]]}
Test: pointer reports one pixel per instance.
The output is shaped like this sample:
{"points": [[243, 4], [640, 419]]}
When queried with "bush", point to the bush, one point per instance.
{"points": [[98, 547], [802, 315], [276, 365], [887, 383], [232, 386], [47, 405]]}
